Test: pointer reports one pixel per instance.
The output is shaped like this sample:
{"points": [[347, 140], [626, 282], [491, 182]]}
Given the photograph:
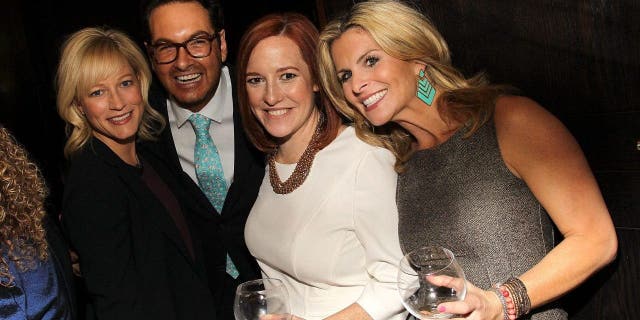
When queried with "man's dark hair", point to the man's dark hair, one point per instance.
{"points": [[214, 7]]}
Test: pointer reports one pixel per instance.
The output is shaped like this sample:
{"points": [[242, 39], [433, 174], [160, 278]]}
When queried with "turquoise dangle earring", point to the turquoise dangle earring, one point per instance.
{"points": [[426, 92]]}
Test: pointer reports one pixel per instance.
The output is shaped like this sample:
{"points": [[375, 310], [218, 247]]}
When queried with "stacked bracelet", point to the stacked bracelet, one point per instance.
{"points": [[504, 303], [519, 295], [510, 310], [514, 293]]}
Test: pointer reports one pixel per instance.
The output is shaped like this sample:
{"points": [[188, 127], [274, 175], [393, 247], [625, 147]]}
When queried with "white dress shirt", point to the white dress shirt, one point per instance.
{"points": [[334, 240], [220, 110]]}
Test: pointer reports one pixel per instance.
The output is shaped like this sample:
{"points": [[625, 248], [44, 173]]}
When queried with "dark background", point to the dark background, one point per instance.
{"points": [[578, 58], [31, 34]]}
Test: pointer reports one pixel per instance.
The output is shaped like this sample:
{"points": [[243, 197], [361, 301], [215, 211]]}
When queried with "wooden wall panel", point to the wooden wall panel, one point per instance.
{"points": [[613, 292], [581, 60], [609, 140]]}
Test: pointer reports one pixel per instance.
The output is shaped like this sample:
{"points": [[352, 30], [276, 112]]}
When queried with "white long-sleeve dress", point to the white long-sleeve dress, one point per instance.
{"points": [[333, 240]]}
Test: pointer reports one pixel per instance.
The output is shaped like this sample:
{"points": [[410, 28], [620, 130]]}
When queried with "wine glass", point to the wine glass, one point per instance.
{"points": [[264, 299], [427, 277]]}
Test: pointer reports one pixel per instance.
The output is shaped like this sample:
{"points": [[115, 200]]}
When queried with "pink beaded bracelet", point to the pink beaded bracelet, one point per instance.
{"points": [[510, 310], [516, 299]]}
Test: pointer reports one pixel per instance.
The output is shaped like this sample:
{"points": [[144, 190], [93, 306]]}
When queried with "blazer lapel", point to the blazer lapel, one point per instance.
{"points": [[152, 213]]}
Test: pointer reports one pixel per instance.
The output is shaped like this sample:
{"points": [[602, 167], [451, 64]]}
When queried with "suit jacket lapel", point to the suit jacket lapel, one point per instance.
{"points": [[241, 167], [246, 172], [165, 150]]}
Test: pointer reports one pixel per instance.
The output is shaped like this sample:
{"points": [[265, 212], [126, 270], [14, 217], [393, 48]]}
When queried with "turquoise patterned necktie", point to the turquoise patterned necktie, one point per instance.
{"points": [[209, 171]]}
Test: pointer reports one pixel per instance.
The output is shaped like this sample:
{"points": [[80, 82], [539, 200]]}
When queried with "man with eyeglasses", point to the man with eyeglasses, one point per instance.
{"points": [[187, 48]]}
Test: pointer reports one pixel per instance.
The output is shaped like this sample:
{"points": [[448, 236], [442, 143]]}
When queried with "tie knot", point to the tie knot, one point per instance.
{"points": [[200, 123]]}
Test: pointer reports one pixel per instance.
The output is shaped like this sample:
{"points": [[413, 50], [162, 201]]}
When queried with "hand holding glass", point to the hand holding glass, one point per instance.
{"points": [[427, 277], [263, 299]]}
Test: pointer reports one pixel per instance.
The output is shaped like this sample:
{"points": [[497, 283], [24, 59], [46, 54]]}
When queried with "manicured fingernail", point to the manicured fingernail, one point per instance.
{"points": [[442, 309]]}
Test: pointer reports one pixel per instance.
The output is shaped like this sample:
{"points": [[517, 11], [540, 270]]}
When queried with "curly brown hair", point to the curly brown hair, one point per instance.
{"points": [[22, 200]]}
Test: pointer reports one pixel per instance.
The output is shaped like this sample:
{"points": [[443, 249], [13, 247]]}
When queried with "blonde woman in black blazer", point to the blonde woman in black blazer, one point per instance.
{"points": [[121, 212]]}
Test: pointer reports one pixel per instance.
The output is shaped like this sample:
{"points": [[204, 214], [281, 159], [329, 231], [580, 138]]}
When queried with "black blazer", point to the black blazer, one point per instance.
{"points": [[220, 233], [133, 261]]}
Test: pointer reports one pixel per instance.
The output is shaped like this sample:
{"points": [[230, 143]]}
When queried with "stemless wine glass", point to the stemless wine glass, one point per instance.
{"points": [[427, 277], [264, 299]]}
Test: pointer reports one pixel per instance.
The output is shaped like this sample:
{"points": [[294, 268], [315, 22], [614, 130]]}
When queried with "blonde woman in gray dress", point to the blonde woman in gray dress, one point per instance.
{"points": [[484, 172]]}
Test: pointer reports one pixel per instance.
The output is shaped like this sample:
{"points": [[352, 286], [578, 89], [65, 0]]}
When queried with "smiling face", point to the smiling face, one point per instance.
{"points": [[280, 89], [113, 107], [191, 81], [378, 85]]}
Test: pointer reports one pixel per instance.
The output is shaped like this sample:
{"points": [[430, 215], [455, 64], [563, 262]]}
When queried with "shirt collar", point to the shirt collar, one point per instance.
{"points": [[214, 109]]}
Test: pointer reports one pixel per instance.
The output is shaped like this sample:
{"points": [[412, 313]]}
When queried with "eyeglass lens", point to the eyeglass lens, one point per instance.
{"points": [[196, 47]]}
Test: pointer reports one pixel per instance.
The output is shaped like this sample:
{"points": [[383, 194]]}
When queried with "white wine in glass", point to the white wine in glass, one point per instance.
{"points": [[421, 274], [263, 299]]}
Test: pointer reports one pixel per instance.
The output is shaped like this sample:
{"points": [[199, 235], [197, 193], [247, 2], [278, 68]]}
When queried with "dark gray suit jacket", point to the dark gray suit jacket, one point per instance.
{"points": [[219, 233]]}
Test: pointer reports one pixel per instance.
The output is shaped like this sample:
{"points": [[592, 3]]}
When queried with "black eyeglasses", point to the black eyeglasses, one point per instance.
{"points": [[198, 47]]}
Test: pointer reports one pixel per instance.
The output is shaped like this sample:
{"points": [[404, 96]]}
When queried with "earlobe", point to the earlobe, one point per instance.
{"points": [[78, 108], [426, 92], [316, 88], [223, 45]]}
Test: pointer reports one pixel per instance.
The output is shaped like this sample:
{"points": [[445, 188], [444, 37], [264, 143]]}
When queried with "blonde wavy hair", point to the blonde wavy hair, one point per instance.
{"points": [[22, 197], [405, 33], [88, 56]]}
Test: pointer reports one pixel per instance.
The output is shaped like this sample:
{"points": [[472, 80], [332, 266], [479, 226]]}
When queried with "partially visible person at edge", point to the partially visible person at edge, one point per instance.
{"points": [[333, 238], [120, 209], [186, 42], [482, 170], [35, 270]]}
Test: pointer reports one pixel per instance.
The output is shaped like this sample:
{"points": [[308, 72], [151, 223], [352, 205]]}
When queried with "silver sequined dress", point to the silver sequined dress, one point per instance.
{"points": [[461, 195]]}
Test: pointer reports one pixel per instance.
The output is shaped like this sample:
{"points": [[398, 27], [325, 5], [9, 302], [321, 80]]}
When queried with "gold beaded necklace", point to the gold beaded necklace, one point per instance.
{"points": [[301, 171]]}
